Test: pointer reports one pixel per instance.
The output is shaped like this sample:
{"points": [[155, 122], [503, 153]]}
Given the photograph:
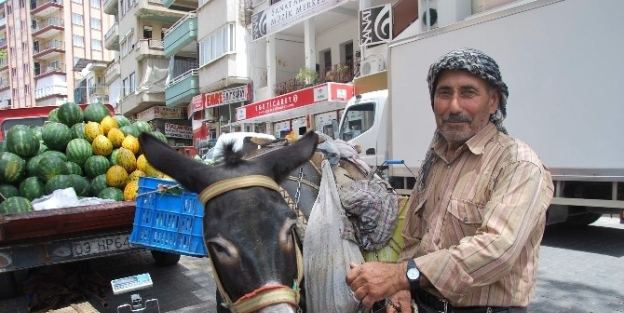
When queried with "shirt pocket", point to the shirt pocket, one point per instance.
{"points": [[465, 215]]}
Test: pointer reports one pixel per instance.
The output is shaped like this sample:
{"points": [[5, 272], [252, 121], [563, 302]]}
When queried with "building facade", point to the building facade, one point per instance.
{"points": [[44, 46]]}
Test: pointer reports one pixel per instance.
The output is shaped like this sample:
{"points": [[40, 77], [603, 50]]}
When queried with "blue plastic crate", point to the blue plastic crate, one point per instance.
{"points": [[170, 221]]}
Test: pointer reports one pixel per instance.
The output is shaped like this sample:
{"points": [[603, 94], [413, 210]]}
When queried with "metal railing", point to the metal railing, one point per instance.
{"points": [[36, 4], [183, 76], [98, 89], [4, 84], [110, 71], [52, 44], [4, 62], [191, 14], [111, 32], [339, 73], [50, 90], [158, 2], [52, 21], [51, 69], [2, 21], [151, 43]]}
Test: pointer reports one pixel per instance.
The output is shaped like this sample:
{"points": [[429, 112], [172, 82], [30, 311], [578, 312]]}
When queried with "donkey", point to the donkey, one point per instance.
{"points": [[248, 226]]}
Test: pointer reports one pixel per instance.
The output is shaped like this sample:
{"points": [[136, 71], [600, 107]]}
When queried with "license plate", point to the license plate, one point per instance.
{"points": [[101, 245]]}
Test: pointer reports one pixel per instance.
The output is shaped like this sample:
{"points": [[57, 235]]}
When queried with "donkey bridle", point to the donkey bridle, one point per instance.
{"points": [[264, 296]]}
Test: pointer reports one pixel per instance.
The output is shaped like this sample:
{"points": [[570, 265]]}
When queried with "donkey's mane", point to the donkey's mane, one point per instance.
{"points": [[231, 157]]}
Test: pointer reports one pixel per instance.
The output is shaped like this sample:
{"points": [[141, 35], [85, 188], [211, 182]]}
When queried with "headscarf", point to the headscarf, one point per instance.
{"points": [[477, 63]]}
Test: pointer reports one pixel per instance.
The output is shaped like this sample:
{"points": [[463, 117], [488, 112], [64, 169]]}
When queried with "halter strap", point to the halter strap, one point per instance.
{"points": [[230, 184]]}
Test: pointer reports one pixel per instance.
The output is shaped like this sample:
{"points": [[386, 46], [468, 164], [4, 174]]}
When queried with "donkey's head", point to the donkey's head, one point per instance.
{"points": [[248, 227]]}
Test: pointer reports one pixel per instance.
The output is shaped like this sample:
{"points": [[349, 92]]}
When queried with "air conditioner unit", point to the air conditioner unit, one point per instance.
{"points": [[372, 65]]}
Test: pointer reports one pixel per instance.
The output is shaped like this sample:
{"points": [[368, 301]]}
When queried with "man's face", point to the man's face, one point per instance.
{"points": [[462, 104]]}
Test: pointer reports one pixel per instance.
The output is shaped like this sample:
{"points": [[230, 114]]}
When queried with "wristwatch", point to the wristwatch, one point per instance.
{"points": [[413, 275]]}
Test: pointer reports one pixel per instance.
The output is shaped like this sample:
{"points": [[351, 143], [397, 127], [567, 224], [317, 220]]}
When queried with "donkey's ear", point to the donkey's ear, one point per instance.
{"points": [[183, 169], [281, 162]]}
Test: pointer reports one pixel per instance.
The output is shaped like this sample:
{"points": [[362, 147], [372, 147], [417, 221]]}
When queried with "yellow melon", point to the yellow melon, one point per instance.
{"points": [[126, 159], [152, 171], [141, 161], [102, 146], [108, 123], [116, 176], [131, 190], [131, 143], [135, 175], [92, 130], [116, 137]]}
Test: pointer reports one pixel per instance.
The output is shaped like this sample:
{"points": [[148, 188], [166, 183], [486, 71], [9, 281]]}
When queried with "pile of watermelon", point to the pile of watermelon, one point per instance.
{"points": [[89, 150]]}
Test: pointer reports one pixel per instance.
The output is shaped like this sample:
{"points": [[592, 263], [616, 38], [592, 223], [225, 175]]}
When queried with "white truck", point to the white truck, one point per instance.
{"points": [[563, 62]]}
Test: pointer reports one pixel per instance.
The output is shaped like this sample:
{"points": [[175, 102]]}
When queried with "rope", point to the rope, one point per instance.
{"points": [[160, 188]]}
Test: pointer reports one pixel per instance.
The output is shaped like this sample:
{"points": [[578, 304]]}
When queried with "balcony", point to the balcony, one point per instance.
{"points": [[149, 48], [111, 38], [99, 99], [140, 101], [339, 73], [112, 73], [51, 91], [4, 64], [154, 10], [182, 88], [110, 7], [3, 43], [51, 27], [49, 50], [181, 34], [4, 85], [49, 70], [181, 5], [42, 8], [3, 22], [98, 90]]}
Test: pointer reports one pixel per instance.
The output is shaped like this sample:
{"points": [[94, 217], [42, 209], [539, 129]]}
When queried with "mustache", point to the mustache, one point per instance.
{"points": [[457, 118]]}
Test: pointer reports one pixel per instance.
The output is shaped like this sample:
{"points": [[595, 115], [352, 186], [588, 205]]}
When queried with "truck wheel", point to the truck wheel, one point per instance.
{"points": [[165, 258], [582, 219], [8, 286]]}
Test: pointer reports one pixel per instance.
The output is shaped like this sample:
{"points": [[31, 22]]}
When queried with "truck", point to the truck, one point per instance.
{"points": [[561, 60], [62, 235]]}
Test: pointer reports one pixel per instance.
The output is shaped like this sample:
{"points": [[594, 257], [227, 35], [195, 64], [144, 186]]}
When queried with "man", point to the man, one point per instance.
{"points": [[477, 214]]}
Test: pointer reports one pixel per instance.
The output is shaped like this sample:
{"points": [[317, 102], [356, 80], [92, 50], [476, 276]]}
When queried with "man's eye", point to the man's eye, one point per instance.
{"points": [[443, 93]]}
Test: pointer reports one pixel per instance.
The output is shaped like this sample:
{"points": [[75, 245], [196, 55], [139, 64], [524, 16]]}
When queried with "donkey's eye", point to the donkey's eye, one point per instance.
{"points": [[222, 249]]}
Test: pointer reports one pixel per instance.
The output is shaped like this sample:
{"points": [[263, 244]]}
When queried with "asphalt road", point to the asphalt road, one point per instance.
{"points": [[581, 270]]}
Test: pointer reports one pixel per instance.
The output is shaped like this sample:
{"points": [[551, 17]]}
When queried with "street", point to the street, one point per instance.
{"points": [[581, 270]]}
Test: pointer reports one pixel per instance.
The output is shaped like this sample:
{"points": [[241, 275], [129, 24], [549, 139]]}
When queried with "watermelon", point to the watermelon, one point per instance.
{"points": [[21, 140], [72, 168], [95, 112], [81, 185], [160, 136], [32, 165], [57, 154], [37, 131], [56, 135], [42, 147], [130, 130], [52, 116], [58, 182], [113, 157], [111, 193], [3, 147], [12, 167], [98, 184], [78, 151], [14, 205], [142, 126], [31, 188], [50, 166], [96, 165], [122, 120], [78, 130], [70, 113], [8, 191]]}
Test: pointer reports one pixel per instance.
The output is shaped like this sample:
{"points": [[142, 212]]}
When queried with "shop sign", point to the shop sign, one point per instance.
{"points": [[286, 13], [196, 105], [221, 97], [178, 131], [375, 25], [159, 112]]}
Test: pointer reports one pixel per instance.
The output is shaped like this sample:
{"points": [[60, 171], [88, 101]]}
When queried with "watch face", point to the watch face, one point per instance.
{"points": [[413, 274]]}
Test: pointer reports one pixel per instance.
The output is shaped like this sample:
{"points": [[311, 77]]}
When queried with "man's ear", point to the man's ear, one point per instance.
{"points": [[494, 100]]}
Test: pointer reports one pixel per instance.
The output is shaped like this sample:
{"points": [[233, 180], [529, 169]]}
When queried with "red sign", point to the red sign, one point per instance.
{"points": [[221, 97], [196, 105], [297, 99]]}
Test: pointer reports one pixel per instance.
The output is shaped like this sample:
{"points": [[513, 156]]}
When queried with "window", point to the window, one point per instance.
{"points": [[96, 44], [21, 3], [147, 32], [77, 1], [26, 69], [12, 51], [27, 89], [13, 72], [77, 19], [55, 64], [23, 26], [9, 9], [78, 41], [123, 8], [132, 82], [95, 3], [11, 30], [14, 92], [96, 23], [126, 87], [25, 46], [216, 45]]}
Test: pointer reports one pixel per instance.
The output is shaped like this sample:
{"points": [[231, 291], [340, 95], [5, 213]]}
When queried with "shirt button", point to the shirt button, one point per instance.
{"points": [[465, 219], [448, 166]]}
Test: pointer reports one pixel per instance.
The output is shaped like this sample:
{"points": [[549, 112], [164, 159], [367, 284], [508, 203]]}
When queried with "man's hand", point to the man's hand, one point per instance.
{"points": [[375, 281], [400, 302]]}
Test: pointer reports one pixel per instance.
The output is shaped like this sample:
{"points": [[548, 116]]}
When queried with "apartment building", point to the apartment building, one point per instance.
{"points": [[140, 69], [46, 44]]}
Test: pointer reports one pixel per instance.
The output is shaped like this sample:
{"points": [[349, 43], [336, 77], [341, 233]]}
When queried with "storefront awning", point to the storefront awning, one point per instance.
{"points": [[312, 100], [218, 98]]}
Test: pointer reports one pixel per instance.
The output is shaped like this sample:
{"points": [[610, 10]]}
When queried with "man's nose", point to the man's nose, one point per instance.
{"points": [[455, 105]]}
